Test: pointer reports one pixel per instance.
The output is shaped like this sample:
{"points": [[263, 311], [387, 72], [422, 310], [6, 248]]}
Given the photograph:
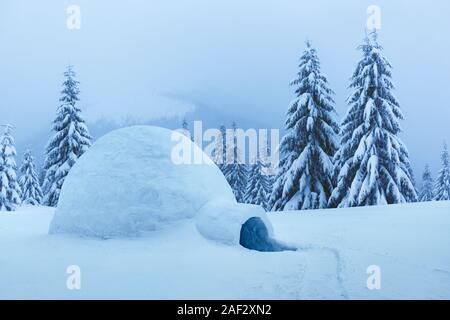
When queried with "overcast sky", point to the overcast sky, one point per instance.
{"points": [[159, 58]]}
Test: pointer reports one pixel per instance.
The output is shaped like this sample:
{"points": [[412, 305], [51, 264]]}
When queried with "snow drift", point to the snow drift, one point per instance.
{"points": [[128, 183]]}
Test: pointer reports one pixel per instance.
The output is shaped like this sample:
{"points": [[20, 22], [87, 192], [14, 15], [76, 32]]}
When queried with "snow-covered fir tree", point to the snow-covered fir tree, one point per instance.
{"points": [[304, 179], [29, 181], [442, 186], [372, 163], [426, 192], [70, 140], [259, 186], [9, 186], [41, 177], [219, 153], [235, 169]]}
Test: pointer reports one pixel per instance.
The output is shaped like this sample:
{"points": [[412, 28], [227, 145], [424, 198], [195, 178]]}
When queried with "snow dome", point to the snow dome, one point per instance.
{"points": [[130, 182]]}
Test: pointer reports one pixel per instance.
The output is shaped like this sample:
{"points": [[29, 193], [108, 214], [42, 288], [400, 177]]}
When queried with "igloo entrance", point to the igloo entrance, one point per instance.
{"points": [[255, 236]]}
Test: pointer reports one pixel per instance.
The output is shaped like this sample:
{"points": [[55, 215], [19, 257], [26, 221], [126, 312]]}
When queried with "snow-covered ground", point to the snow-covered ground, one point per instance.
{"points": [[410, 243]]}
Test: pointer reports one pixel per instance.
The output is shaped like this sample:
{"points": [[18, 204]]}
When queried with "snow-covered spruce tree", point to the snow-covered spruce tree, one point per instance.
{"points": [[235, 169], [372, 162], [29, 181], [426, 192], [71, 139], [219, 153], [9, 186], [442, 186], [258, 186], [304, 179]]}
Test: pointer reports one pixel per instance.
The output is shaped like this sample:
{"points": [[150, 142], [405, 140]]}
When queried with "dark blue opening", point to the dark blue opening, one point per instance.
{"points": [[255, 236]]}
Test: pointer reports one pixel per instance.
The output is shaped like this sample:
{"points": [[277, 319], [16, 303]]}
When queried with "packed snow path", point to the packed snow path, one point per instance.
{"points": [[409, 243]]}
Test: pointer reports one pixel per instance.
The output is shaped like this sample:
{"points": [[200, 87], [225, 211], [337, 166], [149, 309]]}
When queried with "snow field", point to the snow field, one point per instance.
{"points": [[410, 244]]}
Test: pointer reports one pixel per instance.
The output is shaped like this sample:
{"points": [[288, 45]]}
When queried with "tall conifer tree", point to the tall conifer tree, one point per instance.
{"points": [[304, 180], [9, 187], [442, 187], [372, 163], [70, 140]]}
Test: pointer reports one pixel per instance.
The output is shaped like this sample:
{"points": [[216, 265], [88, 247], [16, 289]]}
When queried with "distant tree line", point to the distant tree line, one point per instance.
{"points": [[323, 164]]}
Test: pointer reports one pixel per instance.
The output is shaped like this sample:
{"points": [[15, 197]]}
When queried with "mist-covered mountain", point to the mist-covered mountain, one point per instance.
{"points": [[210, 117]]}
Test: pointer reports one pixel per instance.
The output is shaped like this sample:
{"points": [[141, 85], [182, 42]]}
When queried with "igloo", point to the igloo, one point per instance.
{"points": [[128, 184]]}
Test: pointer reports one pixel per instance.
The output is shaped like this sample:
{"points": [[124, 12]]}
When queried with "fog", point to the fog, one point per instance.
{"points": [[149, 60]]}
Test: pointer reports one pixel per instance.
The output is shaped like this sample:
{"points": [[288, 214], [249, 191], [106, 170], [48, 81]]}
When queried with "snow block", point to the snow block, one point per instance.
{"points": [[128, 183], [223, 222]]}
